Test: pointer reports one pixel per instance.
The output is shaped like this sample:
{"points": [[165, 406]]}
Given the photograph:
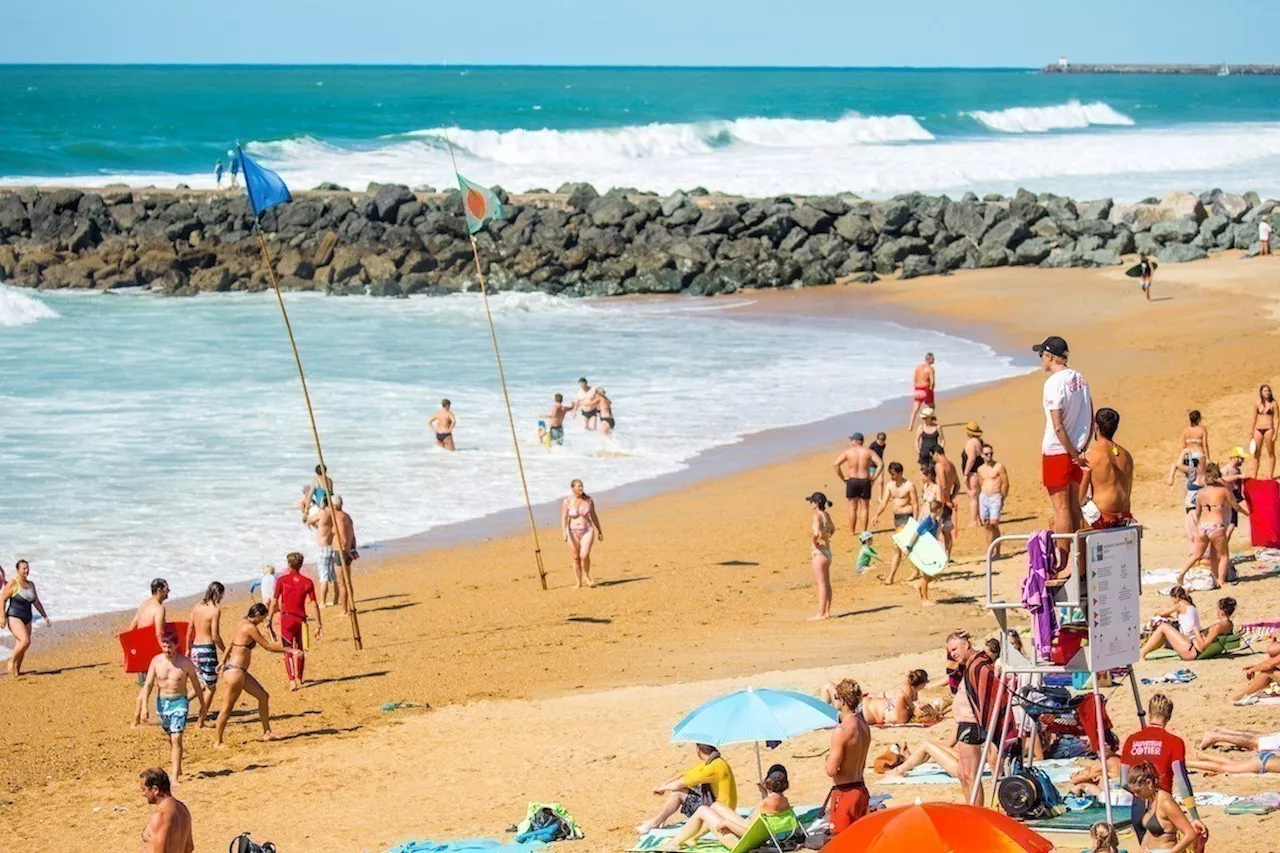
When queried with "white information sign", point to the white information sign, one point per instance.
{"points": [[1114, 589]]}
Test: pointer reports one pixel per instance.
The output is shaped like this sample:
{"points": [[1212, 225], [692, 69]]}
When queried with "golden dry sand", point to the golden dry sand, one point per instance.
{"points": [[570, 695]]}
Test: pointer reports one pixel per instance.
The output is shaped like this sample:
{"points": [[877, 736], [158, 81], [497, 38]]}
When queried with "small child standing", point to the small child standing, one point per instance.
{"points": [[268, 585]]}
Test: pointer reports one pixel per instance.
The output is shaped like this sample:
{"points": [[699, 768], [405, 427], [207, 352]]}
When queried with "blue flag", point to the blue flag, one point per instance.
{"points": [[265, 187]]}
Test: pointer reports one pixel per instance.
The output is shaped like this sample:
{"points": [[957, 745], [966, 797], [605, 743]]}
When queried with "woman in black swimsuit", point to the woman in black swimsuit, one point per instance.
{"points": [[17, 598], [235, 671], [928, 436], [1264, 432], [1163, 827]]}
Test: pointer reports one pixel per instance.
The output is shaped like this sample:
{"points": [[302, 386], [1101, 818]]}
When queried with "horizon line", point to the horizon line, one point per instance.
{"points": [[503, 66]]}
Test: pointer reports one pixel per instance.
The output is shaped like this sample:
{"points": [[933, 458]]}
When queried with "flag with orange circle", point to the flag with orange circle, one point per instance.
{"points": [[480, 204]]}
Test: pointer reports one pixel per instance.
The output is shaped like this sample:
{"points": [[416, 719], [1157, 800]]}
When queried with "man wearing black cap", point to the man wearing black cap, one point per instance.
{"points": [[1068, 411], [864, 467]]}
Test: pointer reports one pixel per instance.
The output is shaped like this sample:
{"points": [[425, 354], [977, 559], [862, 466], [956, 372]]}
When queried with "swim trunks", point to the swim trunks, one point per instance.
{"points": [[846, 804], [1110, 520], [971, 734], [1264, 757], [589, 413], [1058, 472], [857, 487], [989, 507], [441, 436], [924, 395], [901, 518], [205, 657], [557, 434], [609, 421], [172, 714], [327, 565]]}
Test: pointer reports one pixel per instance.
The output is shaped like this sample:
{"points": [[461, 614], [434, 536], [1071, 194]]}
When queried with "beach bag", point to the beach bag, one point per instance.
{"points": [[888, 759], [242, 843]]}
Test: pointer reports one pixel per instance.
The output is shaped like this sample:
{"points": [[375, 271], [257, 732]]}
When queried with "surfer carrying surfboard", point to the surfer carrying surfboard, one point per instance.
{"points": [[931, 524], [1145, 269]]}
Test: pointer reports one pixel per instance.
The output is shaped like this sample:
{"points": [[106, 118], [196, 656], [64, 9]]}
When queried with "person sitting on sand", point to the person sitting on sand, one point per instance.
{"points": [[172, 675], [1260, 675], [898, 705], [866, 553], [1199, 643], [1182, 610], [1107, 478], [709, 781], [726, 822], [235, 671], [930, 751], [1214, 504]]}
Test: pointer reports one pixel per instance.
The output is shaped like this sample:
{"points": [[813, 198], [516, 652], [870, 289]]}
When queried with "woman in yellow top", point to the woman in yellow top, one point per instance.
{"points": [[710, 778], [726, 822]]}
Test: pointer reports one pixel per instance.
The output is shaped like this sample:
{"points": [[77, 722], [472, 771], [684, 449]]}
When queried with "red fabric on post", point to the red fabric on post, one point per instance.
{"points": [[1264, 512]]}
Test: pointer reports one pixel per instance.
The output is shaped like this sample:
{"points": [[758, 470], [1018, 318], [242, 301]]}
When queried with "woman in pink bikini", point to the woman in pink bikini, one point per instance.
{"points": [[1214, 504], [581, 528]]}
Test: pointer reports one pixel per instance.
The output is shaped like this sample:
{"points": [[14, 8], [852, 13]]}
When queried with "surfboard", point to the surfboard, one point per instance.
{"points": [[927, 554], [140, 645], [1135, 271]]}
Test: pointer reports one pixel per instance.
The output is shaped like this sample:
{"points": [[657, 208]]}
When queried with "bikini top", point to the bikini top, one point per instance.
{"points": [[247, 645], [1152, 822], [578, 510]]}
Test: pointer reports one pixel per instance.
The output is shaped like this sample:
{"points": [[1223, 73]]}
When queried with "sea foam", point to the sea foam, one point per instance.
{"points": [[19, 309], [1071, 115]]}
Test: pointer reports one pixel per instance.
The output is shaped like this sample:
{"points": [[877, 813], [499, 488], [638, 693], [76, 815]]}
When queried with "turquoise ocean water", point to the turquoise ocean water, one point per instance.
{"points": [[141, 436], [751, 131]]}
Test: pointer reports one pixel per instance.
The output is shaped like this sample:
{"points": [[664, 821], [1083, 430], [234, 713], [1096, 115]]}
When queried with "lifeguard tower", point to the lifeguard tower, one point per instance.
{"points": [[1099, 595]]}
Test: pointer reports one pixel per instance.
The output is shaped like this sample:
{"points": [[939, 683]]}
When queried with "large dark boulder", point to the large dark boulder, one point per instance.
{"points": [[1005, 235], [13, 216], [1178, 253], [610, 210], [1096, 210], [773, 229], [817, 273], [1177, 231], [961, 254], [656, 281], [993, 255], [889, 217], [966, 219], [917, 265], [579, 195], [857, 230], [892, 252], [387, 201], [1061, 209], [828, 204], [812, 219], [1032, 251], [86, 236], [1026, 207], [716, 220]]}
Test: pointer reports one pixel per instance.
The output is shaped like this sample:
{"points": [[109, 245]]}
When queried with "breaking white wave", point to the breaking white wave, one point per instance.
{"points": [[1070, 115], [667, 140], [19, 309]]}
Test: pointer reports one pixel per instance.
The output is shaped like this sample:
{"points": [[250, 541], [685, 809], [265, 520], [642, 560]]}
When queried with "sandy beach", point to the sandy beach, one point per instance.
{"points": [[569, 695]]}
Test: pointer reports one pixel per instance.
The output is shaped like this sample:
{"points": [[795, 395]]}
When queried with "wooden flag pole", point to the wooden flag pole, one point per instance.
{"points": [[515, 442], [502, 378], [315, 434]]}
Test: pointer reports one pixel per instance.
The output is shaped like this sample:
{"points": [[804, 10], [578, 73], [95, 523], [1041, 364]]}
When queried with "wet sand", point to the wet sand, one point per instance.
{"points": [[569, 695]]}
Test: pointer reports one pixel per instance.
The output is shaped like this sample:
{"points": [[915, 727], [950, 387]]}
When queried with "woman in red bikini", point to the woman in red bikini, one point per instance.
{"points": [[581, 528]]}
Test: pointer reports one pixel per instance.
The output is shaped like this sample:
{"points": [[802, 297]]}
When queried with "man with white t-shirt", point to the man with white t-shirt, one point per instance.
{"points": [[1264, 235], [1068, 416]]}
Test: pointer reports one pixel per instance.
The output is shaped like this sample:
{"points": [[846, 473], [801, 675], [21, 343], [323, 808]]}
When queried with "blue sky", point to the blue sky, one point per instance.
{"points": [[637, 32]]}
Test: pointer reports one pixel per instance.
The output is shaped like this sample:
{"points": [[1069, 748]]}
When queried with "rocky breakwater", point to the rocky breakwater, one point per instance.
{"points": [[391, 241]]}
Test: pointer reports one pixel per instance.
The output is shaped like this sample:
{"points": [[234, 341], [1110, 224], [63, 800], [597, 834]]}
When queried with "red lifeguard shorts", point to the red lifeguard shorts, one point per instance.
{"points": [[924, 395], [1059, 471]]}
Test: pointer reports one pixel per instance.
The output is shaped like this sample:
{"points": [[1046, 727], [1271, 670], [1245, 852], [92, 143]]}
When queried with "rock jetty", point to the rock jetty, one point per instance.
{"points": [[391, 241]]}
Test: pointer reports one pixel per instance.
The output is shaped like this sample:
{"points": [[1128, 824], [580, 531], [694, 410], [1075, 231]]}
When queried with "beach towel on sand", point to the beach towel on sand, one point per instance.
{"points": [[1057, 769], [807, 815], [469, 845]]}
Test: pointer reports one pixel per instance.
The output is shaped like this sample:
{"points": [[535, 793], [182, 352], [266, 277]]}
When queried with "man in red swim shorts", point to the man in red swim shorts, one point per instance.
{"points": [[923, 382], [849, 798], [290, 600], [1068, 425]]}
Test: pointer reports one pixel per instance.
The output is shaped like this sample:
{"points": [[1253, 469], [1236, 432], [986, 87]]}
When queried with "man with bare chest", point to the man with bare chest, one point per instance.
{"points": [[849, 798], [168, 828]]}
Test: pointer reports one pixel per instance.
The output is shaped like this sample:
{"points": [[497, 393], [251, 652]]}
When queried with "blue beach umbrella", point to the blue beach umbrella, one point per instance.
{"points": [[750, 716]]}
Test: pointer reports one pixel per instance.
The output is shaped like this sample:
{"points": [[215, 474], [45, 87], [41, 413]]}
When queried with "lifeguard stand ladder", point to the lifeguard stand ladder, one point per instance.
{"points": [[1105, 584]]}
